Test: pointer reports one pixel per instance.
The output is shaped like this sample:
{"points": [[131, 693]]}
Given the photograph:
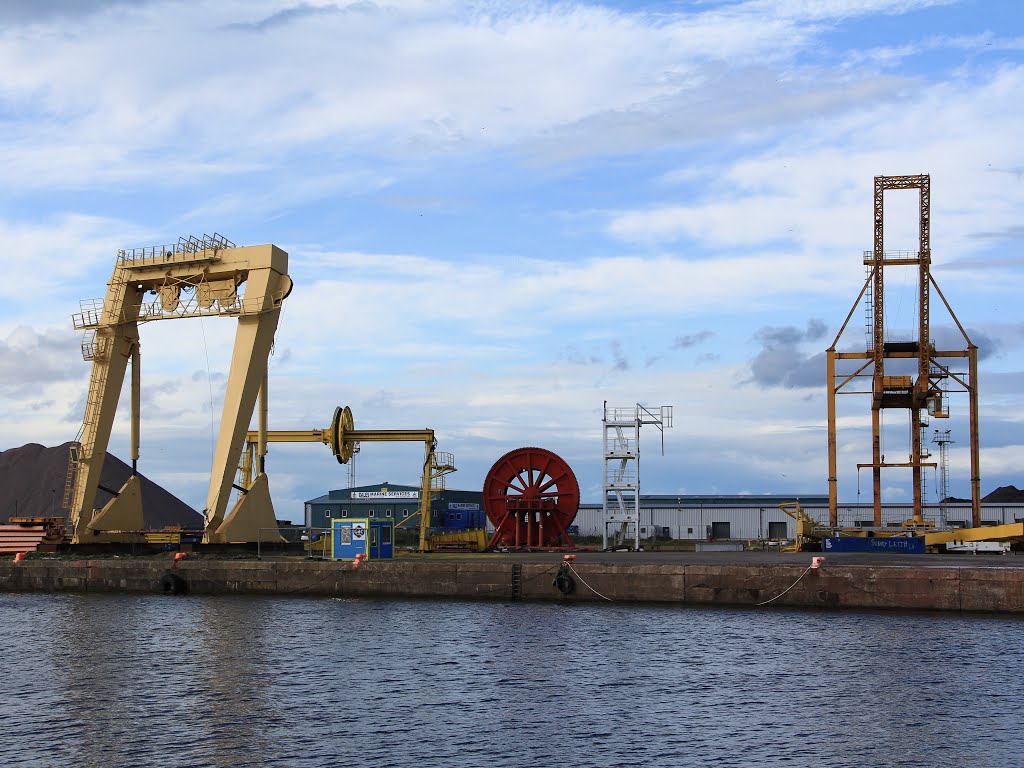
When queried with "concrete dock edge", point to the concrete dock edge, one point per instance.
{"points": [[989, 589]]}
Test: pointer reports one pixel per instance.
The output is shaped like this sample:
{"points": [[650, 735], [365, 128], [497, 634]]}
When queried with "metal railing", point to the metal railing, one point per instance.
{"points": [[908, 256], [91, 315], [317, 541], [186, 249]]}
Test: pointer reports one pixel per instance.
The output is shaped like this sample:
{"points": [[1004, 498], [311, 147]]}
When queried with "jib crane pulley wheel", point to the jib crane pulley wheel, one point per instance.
{"points": [[531, 496], [342, 423]]}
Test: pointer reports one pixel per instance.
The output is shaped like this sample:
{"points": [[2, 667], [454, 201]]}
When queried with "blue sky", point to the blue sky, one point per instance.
{"points": [[500, 215]]}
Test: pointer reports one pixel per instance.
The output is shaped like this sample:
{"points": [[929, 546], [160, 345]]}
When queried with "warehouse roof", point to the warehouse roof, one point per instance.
{"points": [[376, 493], [714, 500]]}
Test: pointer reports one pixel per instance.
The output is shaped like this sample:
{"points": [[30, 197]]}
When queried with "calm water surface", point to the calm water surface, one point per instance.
{"points": [[117, 680]]}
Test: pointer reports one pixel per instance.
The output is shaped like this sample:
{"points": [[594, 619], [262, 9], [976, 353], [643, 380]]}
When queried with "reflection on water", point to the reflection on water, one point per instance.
{"points": [[120, 680]]}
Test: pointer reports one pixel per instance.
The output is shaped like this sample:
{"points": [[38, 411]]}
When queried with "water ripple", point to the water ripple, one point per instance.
{"points": [[119, 680]]}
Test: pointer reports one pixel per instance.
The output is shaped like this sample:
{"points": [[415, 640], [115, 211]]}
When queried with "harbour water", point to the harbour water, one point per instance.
{"points": [[129, 680]]}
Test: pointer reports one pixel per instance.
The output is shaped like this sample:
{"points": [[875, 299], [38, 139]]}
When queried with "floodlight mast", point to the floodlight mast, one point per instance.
{"points": [[922, 396]]}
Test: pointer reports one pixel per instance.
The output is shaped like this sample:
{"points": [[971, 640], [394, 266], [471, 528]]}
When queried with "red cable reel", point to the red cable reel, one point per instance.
{"points": [[531, 496]]}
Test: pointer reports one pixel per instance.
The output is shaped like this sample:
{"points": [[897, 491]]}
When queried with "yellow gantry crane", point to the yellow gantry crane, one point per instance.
{"points": [[193, 278], [341, 437]]}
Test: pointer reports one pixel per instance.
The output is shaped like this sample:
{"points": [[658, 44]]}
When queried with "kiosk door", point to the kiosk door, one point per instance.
{"points": [[374, 541]]}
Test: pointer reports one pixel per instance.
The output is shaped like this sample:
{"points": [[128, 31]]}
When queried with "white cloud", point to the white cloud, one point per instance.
{"points": [[28, 358], [814, 189], [410, 78], [727, 149], [838, 9], [385, 294], [51, 257]]}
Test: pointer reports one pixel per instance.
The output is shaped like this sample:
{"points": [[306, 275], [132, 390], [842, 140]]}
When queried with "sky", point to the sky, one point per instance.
{"points": [[501, 215]]}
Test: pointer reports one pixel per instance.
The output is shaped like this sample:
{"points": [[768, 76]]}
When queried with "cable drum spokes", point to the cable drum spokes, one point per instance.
{"points": [[531, 496]]}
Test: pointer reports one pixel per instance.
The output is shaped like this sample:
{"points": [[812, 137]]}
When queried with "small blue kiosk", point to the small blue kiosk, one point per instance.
{"points": [[351, 536]]}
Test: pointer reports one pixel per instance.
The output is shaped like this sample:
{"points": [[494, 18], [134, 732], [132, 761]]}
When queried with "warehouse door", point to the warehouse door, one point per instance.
{"points": [[777, 530], [720, 531]]}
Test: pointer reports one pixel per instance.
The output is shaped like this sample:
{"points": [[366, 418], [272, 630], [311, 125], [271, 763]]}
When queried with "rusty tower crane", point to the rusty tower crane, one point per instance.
{"points": [[923, 394]]}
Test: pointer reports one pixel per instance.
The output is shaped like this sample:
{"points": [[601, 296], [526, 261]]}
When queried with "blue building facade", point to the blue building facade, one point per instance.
{"points": [[449, 509]]}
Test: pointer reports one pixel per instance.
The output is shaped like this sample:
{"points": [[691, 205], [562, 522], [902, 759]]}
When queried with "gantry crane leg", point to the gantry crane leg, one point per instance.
{"points": [[123, 512], [253, 341], [115, 345]]}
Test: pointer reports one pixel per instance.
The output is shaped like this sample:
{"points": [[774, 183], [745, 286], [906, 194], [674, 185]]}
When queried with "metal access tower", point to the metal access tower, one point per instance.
{"points": [[352, 466], [942, 439], [921, 395], [193, 278], [622, 467]]}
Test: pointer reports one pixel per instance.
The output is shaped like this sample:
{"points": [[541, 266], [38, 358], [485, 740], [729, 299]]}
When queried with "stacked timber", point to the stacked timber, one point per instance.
{"points": [[30, 535]]}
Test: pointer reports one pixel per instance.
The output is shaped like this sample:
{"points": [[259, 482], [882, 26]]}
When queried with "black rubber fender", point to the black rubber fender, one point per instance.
{"points": [[564, 583], [173, 584]]}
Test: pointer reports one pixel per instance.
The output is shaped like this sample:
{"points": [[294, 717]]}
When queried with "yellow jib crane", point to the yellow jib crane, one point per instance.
{"points": [[810, 530], [341, 437], [806, 526]]}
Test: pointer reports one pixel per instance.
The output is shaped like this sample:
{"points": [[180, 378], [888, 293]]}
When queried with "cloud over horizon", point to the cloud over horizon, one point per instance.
{"points": [[501, 214]]}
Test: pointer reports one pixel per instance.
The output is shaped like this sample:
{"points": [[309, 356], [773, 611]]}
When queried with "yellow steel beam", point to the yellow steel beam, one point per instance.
{"points": [[1004, 532], [389, 435], [354, 435], [291, 436], [266, 279]]}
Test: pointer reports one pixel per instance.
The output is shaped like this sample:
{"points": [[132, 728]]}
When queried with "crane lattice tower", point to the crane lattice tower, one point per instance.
{"points": [[923, 394]]}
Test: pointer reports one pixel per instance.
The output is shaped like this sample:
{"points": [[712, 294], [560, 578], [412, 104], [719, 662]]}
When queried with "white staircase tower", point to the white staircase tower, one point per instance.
{"points": [[621, 497]]}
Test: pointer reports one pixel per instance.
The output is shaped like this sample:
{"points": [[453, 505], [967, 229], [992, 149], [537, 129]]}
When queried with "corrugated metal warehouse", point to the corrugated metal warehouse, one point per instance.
{"points": [[662, 516], [759, 517]]}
